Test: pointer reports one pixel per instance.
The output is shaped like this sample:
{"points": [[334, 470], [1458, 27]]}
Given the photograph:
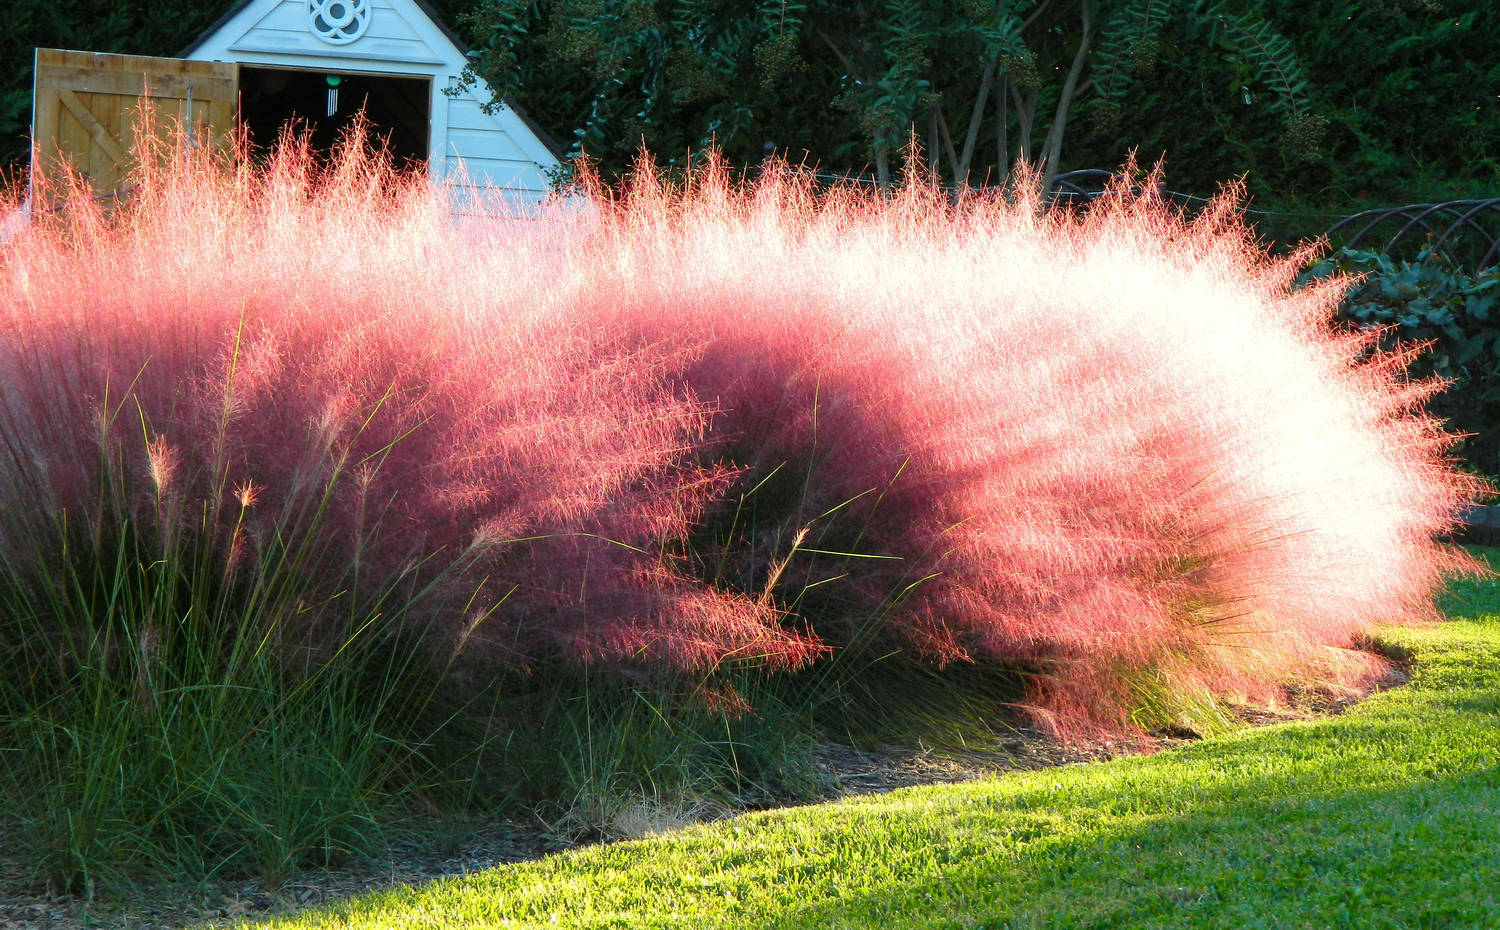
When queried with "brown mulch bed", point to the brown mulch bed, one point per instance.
{"points": [[28, 905]]}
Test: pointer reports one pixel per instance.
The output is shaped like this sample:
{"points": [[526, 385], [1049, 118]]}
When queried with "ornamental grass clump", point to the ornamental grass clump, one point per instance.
{"points": [[1113, 452], [303, 482], [279, 455]]}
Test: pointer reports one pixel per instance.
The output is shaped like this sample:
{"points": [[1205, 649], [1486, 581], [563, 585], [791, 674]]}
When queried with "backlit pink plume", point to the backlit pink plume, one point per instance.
{"points": [[1115, 451], [323, 334]]}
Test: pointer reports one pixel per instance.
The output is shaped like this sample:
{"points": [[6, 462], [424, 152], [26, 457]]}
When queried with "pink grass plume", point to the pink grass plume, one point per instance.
{"points": [[1111, 451]]}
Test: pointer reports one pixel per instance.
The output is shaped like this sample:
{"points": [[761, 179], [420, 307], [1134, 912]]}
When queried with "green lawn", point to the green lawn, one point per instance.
{"points": [[1384, 817]]}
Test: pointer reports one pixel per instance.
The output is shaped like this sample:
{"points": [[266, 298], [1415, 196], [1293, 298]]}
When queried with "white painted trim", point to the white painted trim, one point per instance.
{"points": [[332, 54], [31, 165], [295, 63], [437, 142]]}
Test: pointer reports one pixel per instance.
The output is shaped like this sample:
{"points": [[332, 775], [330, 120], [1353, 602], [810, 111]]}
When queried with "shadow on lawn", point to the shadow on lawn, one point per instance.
{"points": [[1259, 831], [1416, 856], [1382, 818]]}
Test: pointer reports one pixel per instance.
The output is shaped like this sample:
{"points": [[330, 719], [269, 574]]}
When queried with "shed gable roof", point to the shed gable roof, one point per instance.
{"points": [[426, 11], [399, 31]]}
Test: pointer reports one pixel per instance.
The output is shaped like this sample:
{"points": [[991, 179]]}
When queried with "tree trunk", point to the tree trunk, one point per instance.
{"points": [[959, 179], [1002, 117], [934, 144], [976, 118], [1052, 148]]}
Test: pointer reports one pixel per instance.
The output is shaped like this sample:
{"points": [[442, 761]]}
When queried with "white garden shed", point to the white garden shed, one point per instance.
{"points": [[318, 62]]}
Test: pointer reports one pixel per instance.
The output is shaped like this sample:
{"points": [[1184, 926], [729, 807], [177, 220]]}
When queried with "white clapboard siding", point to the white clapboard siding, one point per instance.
{"points": [[471, 133]]}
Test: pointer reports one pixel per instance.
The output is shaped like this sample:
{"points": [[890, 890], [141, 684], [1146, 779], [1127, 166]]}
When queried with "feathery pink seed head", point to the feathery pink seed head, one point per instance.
{"points": [[246, 492], [161, 463]]}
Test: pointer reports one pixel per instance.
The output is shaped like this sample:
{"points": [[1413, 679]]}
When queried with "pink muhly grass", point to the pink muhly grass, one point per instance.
{"points": [[409, 409], [718, 423], [1114, 451]]}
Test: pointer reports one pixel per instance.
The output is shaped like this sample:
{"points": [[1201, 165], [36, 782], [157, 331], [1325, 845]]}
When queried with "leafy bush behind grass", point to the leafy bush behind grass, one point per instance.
{"points": [[1451, 311], [308, 487]]}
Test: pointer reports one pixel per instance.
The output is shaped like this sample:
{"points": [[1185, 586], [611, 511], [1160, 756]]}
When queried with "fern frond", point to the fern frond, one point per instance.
{"points": [[1132, 30], [1269, 54], [780, 17], [1003, 37]]}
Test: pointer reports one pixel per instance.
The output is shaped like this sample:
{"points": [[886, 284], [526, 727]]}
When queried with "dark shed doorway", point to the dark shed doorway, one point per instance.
{"points": [[399, 109]]}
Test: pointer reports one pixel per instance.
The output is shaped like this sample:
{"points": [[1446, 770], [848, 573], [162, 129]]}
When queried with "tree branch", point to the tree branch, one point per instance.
{"points": [[1025, 117], [839, 54], [1002, 133], [1040, 9]]}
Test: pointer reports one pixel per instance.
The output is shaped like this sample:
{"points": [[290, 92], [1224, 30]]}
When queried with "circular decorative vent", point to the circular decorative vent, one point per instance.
{"points": [[338, 22]]}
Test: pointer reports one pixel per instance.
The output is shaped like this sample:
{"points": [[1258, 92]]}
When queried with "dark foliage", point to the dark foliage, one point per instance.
{"points": [[1399, 102], [1404, 110], [1427, 302]]}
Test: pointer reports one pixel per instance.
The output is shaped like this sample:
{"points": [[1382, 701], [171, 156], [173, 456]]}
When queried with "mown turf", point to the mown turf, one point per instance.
{"points": [[1384, 817]]}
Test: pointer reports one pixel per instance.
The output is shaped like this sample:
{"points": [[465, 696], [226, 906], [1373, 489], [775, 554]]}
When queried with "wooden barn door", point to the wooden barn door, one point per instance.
{"points": [[89, 106]]}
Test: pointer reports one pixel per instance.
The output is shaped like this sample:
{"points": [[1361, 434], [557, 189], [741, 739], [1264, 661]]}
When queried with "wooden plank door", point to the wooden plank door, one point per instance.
{"points": [[88, 107]]}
